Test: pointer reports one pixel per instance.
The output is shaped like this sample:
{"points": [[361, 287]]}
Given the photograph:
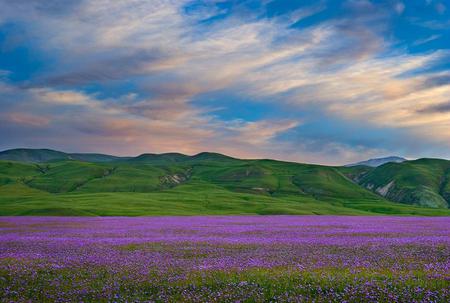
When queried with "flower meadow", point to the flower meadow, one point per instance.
{"points": [[225, 259]]}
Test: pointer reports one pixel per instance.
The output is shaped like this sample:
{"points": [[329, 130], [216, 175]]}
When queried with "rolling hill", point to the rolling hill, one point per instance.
{"points": [[423, 182], [47, 155], [46, 182]]}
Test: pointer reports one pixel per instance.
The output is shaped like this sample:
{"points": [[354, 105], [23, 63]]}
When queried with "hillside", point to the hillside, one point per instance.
{"points": [[210, 183], [47, 155], [423, 182]]}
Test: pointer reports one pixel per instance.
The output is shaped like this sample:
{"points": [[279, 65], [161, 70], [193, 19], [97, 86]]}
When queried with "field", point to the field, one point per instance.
{"points": [[192, 199], [225, 259], [213, 184]]}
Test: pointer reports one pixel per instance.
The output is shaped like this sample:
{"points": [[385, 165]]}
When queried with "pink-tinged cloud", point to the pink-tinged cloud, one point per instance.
{"points": [[25, 119], [155, 76]]}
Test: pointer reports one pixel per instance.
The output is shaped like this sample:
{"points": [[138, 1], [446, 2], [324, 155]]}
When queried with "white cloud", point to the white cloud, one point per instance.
{"points": [[344, 67], [426, 40]]}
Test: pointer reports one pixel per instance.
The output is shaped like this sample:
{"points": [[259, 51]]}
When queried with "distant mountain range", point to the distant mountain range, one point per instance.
{"points": [[378, 161], [49, 155], [45, 182]]}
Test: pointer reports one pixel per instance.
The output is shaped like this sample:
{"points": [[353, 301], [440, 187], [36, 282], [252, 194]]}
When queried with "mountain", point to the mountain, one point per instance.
{"points": [[378, 161], [96, 157], [57, 183], [167, 157], [33, 155], [206, 156], [424, 182], [47, 155]]}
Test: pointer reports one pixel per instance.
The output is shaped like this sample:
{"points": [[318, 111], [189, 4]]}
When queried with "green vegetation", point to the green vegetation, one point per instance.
{"points": [[46, 155], [209, 183], [423, 182]]}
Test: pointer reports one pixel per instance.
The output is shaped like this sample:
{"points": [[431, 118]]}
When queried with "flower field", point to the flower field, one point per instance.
{"points": [[225, 259]]}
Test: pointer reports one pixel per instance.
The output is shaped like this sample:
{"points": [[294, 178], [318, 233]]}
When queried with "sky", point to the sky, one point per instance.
{"points": [[328, 82]]}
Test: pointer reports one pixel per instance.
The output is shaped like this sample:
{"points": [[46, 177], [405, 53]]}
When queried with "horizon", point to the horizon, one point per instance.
{"points": [[224, 154], [213, 152], [331, 83]]}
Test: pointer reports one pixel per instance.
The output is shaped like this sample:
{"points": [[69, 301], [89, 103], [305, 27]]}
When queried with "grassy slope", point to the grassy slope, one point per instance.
{"points": [[46, 155], [207, 186], [32, 155], [423, 182]]}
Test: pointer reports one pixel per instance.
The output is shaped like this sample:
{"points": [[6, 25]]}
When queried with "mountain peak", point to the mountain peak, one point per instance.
{"points": [[378, 161], [33, 155], [211, 156], [41, 155], [171, 157]]}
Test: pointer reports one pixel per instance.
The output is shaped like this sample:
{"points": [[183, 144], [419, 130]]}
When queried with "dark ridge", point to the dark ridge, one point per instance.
{"points": [[211, 156], [170, 157], [33, 155], [96, 157]]}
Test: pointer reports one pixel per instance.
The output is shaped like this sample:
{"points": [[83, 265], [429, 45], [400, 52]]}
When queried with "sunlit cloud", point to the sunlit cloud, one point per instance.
{"points": [[124, 76]]}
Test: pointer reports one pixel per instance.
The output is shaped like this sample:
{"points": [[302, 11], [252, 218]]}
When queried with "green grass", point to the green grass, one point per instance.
{"points": [[423, 182], [207, 184], [189, 199]]}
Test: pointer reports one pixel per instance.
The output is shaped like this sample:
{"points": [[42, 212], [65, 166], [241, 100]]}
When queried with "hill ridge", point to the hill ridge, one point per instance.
{"points": [[39, 155], [422, 182], [378, 161]]}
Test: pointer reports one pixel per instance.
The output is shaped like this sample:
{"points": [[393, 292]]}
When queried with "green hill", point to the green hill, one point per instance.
{"points": [[210, 183], [163, 158], [33, 155], [422, 182], [47, 155]]}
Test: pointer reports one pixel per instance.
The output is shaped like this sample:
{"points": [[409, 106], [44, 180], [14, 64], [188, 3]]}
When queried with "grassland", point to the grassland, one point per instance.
{"points": [[423, 182], [205, 184]]}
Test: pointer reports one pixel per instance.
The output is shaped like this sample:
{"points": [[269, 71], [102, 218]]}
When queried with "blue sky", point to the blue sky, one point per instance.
{"points": [[313, 81]]}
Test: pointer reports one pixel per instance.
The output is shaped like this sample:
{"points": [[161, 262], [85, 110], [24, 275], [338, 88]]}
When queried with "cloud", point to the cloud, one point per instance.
{"points": [[4, 74], [61, 97], [437, 80], [434, 24], [436, 108], [170, 52], [260, 132], [399, 7], [440, 8], [115, 128], [25, 119], [426, 40], [140, 62]]}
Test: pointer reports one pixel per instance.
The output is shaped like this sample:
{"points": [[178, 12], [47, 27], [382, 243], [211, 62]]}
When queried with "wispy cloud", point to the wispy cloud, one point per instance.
{"points": [[25, 119], [426, 40], [170, 52]]}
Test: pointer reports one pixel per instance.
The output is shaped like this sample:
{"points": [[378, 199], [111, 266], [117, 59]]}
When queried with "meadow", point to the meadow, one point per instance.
{"points": [[225, 259], [33, 183]]}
